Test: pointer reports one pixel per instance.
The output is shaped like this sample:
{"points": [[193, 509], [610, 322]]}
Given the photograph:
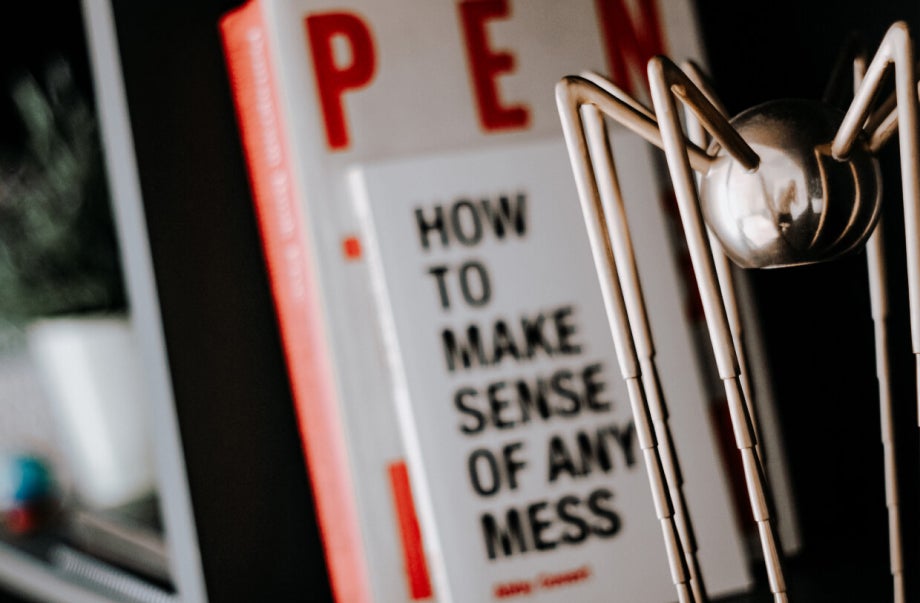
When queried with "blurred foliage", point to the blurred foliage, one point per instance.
{"points": [[58, 251]]}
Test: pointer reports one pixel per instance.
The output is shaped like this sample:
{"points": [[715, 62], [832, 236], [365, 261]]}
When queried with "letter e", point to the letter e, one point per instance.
{"points": [[486, 64]]}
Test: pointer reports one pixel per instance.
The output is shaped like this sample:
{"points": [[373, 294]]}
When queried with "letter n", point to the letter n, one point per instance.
{"points": [[630, 42]]}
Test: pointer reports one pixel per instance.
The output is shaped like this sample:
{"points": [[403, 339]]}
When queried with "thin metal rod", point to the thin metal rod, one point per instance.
{"points": [[712, 119], [895, 50], [838, 85], [884, 122], [879, 299], [724, 272], [697, 134], [613, 90], [701, 81], [630, 114], [569, 100], [605, 174], [666, 79]]}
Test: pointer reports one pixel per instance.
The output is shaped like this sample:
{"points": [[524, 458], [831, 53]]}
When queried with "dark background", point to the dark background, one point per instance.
{"points": [[249, 484]]}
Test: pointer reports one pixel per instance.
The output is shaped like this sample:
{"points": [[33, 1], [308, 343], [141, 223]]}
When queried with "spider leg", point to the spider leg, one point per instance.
{"points": [[895, 50], [852, 57], [697, 134], [724, 272], [875, 256], [731, 282], [879, 301], [884, 121], [701, 80], [616, 104], [614, 91], [668, 83], [615, 223], [616, 273]]}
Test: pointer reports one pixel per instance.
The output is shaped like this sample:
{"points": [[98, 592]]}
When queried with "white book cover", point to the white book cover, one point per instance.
{"points": [[441, 316]]}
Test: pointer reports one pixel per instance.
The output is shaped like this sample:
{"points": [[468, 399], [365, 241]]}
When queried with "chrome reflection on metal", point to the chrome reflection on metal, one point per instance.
{"points": [[800, 205], [782, 184]]}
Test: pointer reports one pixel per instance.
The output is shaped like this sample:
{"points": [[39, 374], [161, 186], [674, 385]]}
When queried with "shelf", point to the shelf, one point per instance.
{"points": [[52, 572]]}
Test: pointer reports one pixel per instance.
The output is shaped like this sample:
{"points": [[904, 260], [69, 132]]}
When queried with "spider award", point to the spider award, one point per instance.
{"points": [[785, 183]]}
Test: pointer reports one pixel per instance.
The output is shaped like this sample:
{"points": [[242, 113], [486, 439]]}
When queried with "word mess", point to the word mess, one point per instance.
{"points": [[545, 525]]}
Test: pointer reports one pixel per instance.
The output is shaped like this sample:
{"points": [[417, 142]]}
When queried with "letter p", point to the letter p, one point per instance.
{"points": [[332, 78]]}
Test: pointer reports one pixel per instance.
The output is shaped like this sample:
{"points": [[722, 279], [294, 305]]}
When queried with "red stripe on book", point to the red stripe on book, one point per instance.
{"points": [[409, 532], [297, 301]]}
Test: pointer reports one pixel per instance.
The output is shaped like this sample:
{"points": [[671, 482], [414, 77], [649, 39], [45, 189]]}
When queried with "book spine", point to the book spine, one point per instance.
{"points": [[246, 38]]}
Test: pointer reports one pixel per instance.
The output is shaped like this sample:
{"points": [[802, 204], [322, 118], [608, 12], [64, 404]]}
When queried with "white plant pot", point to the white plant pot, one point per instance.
{"points": [[91, 371]]}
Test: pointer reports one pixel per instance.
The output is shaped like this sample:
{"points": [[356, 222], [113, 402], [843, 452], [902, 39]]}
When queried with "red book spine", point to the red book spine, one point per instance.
{"points": [[297, 300]]}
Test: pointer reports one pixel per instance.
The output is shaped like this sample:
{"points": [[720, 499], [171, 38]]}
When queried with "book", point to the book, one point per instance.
{"points": [[466, 430]]}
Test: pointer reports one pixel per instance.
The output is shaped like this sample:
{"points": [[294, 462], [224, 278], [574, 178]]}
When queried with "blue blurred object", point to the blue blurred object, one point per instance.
{"points": [[26, 493], [34, 479]]}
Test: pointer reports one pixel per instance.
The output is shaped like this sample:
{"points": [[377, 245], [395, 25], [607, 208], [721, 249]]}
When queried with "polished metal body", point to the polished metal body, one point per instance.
{"points": [[800, 205], [785, 183]]}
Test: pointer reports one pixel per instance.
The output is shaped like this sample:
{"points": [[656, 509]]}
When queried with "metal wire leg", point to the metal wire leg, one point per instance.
{"points": [[618, 230], [569, 100], [895, 50], [879, 299], [875, 256], [697, 134], [666, 81], [671, 464]]}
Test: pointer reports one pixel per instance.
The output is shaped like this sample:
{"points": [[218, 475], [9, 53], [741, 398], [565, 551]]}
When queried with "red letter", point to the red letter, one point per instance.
{"points": [[485, 65], [630, 44], [333, 80]]}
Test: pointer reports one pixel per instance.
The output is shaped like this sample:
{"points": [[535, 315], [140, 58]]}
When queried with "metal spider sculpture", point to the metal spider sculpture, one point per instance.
{"points": [[785, 183]]}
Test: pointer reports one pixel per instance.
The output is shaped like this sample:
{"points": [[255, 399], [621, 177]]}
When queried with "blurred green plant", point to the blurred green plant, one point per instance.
{"points": [[58, 250]]}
